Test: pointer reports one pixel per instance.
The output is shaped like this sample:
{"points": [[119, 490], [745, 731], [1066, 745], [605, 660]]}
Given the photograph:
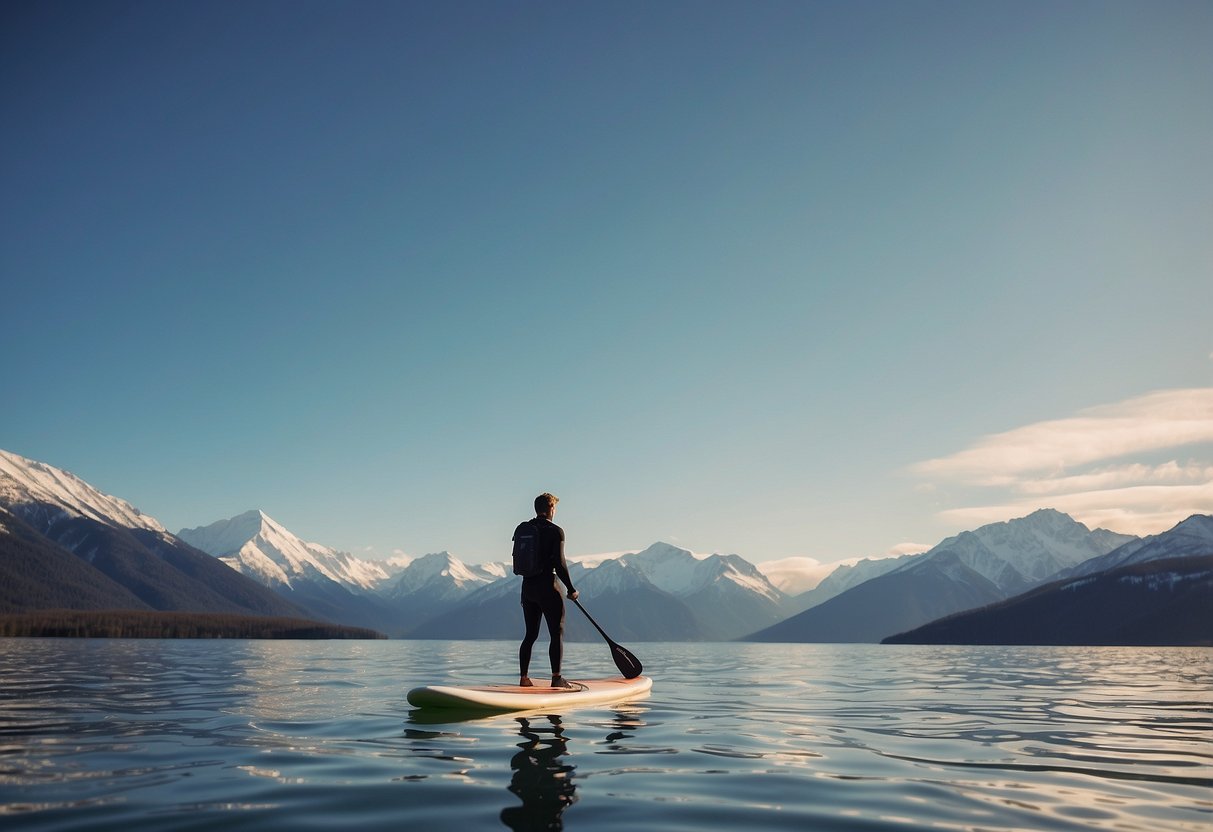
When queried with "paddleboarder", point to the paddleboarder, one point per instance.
{"points": [[541, 598]]}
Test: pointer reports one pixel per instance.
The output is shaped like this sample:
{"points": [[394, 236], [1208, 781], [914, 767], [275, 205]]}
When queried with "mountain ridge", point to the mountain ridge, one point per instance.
{"points": [[67, 544], [919, 588], [54, 512]]}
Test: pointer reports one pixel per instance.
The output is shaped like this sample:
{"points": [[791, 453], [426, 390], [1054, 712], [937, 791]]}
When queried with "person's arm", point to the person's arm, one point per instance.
{"points": [[562, 568]]}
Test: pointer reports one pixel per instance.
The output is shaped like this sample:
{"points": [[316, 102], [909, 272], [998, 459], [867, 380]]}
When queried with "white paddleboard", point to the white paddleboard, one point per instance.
{"points": [[516, 698]]}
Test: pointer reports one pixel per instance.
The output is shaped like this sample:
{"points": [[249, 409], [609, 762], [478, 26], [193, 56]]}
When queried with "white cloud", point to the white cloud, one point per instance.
{"points": [[796, 574], [594, 560], [800, 574], [1085, 465], [906, 548], [1160, 420], [1170, 473]]}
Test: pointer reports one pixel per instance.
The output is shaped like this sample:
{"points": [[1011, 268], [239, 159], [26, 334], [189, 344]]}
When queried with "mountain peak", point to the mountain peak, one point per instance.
{"points": [[31, 483], [259, 546], [442, 575], [1052, 518], [665, 551], [1017, 553]]}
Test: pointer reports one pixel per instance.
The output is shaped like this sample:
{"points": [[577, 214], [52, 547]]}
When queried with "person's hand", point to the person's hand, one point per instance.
{"points": [[573, 595]]}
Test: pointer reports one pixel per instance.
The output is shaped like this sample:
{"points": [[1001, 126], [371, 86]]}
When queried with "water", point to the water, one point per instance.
{"points": [[272, 735]]}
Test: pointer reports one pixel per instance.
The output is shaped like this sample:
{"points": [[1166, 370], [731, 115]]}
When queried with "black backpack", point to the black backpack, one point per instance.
{"points": [[528, 560]]}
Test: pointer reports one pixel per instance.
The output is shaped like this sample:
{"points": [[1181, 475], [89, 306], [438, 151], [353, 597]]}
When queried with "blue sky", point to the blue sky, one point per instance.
{"points": [[770, 278]]}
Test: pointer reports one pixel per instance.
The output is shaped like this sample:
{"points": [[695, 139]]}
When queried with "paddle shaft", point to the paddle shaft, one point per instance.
{"points": [[592, 621], [627, 663]]}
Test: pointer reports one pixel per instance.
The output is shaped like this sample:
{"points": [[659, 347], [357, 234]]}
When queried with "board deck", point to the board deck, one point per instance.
{"points": [[516, 698]]}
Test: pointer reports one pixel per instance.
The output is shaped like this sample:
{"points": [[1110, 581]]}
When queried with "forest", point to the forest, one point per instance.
{"points": [[159, 624]]}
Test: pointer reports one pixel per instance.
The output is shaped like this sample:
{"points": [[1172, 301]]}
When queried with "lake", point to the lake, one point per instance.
{"points": [[277, 735]]}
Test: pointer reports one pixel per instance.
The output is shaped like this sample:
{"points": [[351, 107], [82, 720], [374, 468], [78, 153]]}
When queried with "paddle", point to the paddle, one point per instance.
{"points": [[628, 664]]}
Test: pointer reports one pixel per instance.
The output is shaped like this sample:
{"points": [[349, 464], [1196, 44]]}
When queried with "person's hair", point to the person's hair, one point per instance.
{"points": [[544, 502]]}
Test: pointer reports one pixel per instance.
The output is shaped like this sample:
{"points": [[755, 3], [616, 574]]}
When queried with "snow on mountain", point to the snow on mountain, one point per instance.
{"points": [[1192, 537], [611, 576], [1020, 553], [442, 576], [27, 486], [116, 546], [256, 545], [1013, 555], [682, 573]]}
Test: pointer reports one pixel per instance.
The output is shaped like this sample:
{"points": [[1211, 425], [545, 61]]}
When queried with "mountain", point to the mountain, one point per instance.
{"points": [[1193, 536], [1157, 590], [41, 494], [727, 594], [1021, 553], [843, 578], [921, 591], [622, 600], [662, 593], [443, 577], [256, 545], [967, 570], [434, 584], [36, 574], [1156, 602], [325, 583], [50, 512], [393, 596]]}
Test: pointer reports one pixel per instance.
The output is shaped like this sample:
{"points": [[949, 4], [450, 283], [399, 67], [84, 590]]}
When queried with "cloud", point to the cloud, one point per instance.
{"points": [[1160, 420], [1169, 473], [596, 559], [1086, 466], [906, 548], [796, 574]]}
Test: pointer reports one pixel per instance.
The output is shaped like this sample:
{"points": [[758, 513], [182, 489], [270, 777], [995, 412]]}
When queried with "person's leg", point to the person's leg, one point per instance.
{"points": [[553, 613], [532, 614]]}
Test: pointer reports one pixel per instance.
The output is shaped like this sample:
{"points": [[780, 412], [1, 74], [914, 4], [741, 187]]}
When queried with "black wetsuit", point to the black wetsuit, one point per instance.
{"points": [[542, 600]]}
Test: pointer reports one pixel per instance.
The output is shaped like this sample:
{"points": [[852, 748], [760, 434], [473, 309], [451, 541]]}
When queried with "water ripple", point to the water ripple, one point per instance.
{"points": [[298, 735]]}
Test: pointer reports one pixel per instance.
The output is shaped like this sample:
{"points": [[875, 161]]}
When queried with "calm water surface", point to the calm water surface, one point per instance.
{"points": [[132, 735]]}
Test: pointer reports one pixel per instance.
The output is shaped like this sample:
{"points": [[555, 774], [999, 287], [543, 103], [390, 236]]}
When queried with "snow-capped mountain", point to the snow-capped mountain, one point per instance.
{"points": [[442, 576], [622, 600], [68, 545], [728, 595], [964, 571], [28, 487], [682, 573], [1191, 538], [1163, 600], [659, 594], [256, 545], [1018, 554]]}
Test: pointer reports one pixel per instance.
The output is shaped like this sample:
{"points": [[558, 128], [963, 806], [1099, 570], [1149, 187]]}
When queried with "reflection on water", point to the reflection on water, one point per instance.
{"points": [[543, 768], [542, 778], [176, 735]]}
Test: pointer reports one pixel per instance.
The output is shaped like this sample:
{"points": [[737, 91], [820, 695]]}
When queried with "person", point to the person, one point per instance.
{"points": [[541, 598]]}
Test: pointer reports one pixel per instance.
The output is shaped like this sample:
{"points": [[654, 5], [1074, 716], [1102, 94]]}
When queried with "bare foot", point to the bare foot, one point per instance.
{"points": [[561, 682], [525, 682]]}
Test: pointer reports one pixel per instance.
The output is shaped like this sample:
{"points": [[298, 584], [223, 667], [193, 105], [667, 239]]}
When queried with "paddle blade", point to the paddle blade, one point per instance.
{"points": [[628, 664]]}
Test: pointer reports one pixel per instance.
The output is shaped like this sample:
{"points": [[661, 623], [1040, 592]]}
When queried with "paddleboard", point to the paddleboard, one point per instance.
{"points": [[516, 698]]}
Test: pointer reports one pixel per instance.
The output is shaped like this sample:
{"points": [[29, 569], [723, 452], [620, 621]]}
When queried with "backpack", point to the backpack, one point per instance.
{"points": [[527, 558]]}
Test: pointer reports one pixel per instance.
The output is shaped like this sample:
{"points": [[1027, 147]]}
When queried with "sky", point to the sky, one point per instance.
{"points": [[790, 280]]}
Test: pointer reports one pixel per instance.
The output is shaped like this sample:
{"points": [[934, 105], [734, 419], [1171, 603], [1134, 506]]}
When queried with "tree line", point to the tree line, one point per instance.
{"points": [[160, 624]]}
